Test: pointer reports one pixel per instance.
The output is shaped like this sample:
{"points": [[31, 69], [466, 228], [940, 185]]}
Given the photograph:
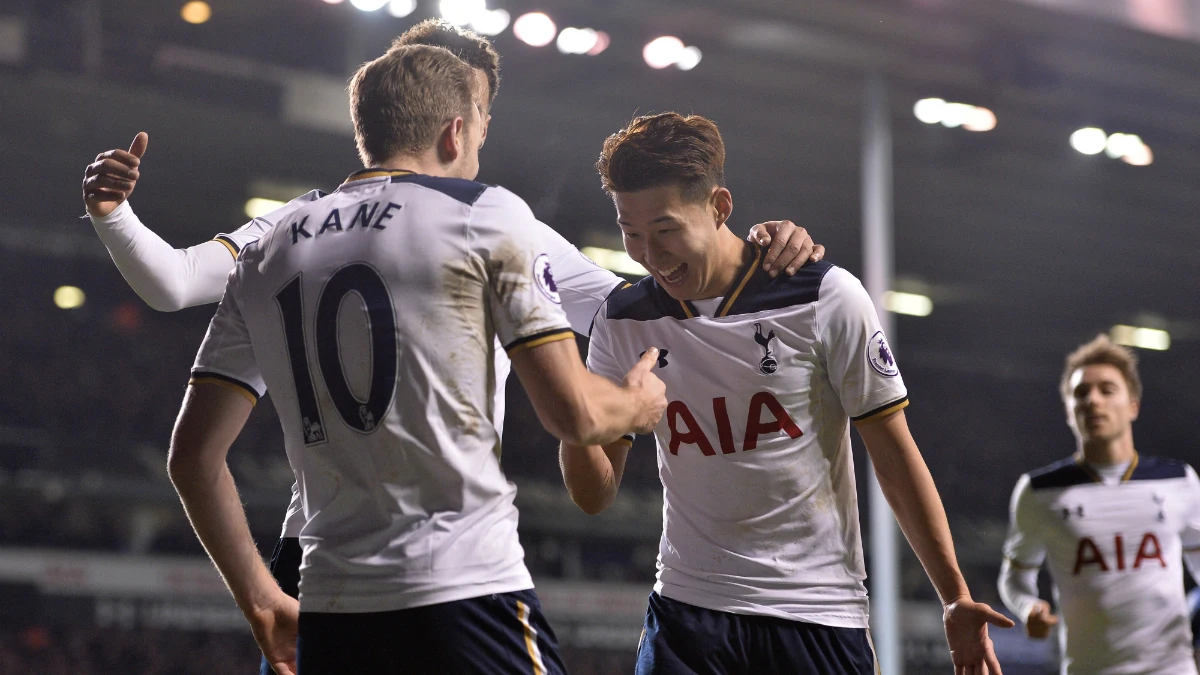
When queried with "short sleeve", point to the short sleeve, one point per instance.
{"points": [[582, 284], [522, 290], [1191, 526], [600, 358], [226, 356], [255, 229], [858, 359], [1025, 545]]}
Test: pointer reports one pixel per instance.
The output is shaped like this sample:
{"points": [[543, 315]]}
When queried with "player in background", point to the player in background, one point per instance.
{"points": [[372, 315], [760, 564], [1114, 527]]}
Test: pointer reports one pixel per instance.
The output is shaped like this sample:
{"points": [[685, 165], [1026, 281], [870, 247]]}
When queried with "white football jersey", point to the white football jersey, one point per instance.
{"points": [[373, 316], [760, 512], [1115, 555], [257, 227]]}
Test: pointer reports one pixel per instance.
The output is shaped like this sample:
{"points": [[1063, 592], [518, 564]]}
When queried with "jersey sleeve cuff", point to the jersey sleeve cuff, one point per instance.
{"points": [[229, 243], [233, 384], [538, 339], [1022, 565], [882, 411], [626, 440]]}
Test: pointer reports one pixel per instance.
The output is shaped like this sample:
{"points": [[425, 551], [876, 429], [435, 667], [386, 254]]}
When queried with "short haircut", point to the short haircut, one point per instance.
{"points": [[400, 101], [1102, 351], [467, 45], [664, 149]]}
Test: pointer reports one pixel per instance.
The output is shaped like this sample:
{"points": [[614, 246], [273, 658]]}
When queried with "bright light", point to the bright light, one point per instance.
{"points": [[663, 51], [401, 8], [196, 12], [1119, 144], [602, 42], [907, 303], [258, 206], [369, 5], [1142, 338], [576, 40], [334, 2], [955, 114], [1089, 140], [617, 261], [1139, 156], [460, 12], [690, 58], [69, 297], [535, 29], [980, 119], [929, 110], [491, 23]]}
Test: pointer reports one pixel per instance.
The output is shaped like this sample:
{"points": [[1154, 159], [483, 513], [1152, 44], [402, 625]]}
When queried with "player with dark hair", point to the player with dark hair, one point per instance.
{"points": [[760, 566]]}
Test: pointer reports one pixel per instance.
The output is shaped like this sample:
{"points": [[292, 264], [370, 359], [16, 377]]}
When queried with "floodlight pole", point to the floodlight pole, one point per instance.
{"points": [[877, 275]]}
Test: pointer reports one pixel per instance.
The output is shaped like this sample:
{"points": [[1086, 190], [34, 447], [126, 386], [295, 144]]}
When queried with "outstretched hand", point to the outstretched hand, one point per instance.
{"points": [[111, 178], [790, 246], [966, 624]]}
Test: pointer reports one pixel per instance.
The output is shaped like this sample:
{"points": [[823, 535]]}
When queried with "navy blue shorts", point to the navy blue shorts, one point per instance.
{"points": [[285, 567], [501, 634], [682, 639]]}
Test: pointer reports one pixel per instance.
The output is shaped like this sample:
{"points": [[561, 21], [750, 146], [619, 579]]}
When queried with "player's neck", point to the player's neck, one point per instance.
{"points": [[729, 255], [427, 163], [1107, 452]]}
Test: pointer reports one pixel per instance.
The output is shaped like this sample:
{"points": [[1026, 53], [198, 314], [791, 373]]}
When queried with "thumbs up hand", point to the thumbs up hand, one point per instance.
{"points": [[111, 178]]}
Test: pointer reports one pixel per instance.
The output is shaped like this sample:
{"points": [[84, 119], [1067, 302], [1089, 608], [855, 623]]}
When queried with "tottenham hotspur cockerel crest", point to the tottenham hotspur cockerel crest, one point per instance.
{"points": [[768, 364]]}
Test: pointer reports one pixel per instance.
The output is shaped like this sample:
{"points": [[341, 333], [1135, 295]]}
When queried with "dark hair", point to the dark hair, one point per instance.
{"points": [[1102, 351], [400, 101], [476, 50], [663, 149]]}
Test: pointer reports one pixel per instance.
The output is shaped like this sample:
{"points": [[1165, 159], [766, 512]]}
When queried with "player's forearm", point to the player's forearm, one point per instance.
{"points": [[215, 510], [1018, 588], [910, 491], [592, 474], [166, 278]]}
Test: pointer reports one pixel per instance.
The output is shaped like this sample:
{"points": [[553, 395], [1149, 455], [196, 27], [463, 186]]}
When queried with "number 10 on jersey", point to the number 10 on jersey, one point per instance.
{"points": [[361, 416]]}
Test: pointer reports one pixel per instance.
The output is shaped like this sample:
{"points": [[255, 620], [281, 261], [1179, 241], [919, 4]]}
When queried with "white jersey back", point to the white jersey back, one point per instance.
{"points": [[373, 316], [760, 511], [1114, 553]]}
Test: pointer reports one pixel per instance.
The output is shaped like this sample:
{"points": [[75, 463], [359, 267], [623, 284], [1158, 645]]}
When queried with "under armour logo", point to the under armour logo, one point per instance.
{"points": [[1067, 512], [662, 357]]}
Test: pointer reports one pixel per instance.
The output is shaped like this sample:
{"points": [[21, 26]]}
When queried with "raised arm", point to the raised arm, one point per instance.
{"points": [[910, 491]]}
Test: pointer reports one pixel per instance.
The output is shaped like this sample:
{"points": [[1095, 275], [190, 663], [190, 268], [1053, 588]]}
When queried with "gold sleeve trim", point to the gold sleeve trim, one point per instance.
{"points": [[884, 413], [250, 396], [232, 251], [537, 341], [1020, 565]]}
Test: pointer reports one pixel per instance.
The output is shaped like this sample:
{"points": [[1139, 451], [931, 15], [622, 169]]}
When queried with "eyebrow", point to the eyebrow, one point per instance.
{"points": [[653, 222]]}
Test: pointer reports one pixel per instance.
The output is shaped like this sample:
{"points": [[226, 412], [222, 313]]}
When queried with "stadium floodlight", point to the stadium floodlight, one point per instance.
{"points": [[368, 5], [69, 297], [491, 23], [979, 119], [956, 114], [602, 42], [1089, 140], [663, 51], [196, 12], [616, 261], [257, 206], [929, 110], [1138, 155], [334, 2], [576, 40], [535, 29], [1141, 337], [401, 8], [461, 12], [911, 304], [689, 58]]}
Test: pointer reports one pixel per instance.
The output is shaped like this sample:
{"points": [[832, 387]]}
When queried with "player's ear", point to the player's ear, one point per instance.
{"points": [[452, 141], [722, 204], [1137, 408]]}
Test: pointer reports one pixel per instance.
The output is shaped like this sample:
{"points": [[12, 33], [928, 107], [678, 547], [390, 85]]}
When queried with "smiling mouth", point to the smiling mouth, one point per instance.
{"points": [[675, 274]]}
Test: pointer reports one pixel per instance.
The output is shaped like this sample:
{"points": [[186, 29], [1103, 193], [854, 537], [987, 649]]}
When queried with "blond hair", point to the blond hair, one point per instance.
{"points": [[1103, 351], [400, 102]]}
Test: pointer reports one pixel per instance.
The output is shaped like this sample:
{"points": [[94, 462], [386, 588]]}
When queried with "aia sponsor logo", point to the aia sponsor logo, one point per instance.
{"points": [[1089, 556], [686, 430]]}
